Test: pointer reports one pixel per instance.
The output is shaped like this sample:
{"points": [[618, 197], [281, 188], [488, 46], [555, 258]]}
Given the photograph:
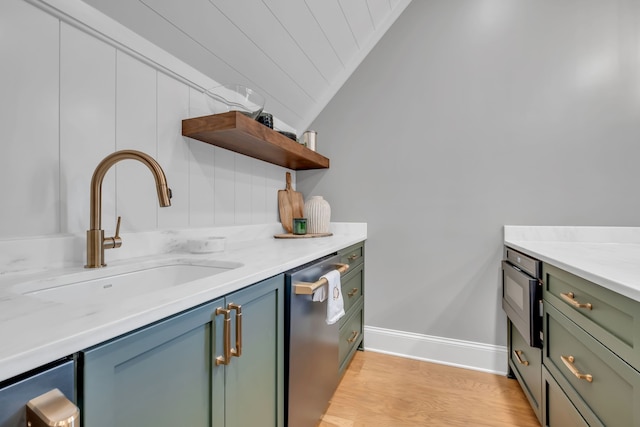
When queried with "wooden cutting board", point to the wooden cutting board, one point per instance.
{"points": [[302, 236], [290, 205]]}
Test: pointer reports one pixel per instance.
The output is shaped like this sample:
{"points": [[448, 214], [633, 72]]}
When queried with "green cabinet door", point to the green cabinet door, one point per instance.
{"points": [[166, 374], [526, 364], [160, 375], [254, 386], [558, 411]]}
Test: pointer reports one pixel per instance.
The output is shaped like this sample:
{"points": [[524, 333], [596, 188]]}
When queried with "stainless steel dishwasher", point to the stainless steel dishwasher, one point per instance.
{"points": [[312, 344]]}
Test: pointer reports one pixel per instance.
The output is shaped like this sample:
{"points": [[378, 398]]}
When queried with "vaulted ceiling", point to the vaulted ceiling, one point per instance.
{"points": [[297, 53]]}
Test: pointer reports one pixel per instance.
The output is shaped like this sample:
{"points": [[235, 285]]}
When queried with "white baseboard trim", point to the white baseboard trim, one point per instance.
{"points": [[445, 351]]}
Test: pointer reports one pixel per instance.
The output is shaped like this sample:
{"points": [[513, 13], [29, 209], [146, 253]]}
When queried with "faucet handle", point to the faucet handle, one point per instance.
{"points": [[115, 241], [117, 236]]}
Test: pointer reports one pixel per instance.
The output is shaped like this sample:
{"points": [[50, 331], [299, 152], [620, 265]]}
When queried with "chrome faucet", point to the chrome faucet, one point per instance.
{"points": [[96, 242]]}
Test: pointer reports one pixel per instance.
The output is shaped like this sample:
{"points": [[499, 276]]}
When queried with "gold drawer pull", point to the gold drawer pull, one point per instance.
{"points": [[568, 361], [353, 292], [225, 359], [352, 257], [353, 337], [518, 355], [569, 297], [237, 352]]}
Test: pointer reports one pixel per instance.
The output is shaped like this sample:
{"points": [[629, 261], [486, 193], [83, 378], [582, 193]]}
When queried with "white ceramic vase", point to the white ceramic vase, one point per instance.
{"points": [[318, 214]]}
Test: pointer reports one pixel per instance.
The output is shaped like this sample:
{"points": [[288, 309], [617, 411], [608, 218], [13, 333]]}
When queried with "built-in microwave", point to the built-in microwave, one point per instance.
{"points": [[522, 294]]}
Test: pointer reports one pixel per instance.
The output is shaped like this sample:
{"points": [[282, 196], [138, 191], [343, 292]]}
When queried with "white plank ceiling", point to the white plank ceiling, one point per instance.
{"points": [[297, 53]]}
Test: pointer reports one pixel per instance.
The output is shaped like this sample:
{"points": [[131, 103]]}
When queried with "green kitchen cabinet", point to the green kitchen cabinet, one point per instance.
{"points": [[219, 364], [254, 382], [352, 323], [604, 388], [350, 336], [557, 409], [588, 371], [526, 363], [591, 350], [611, 318], [352, 255]]}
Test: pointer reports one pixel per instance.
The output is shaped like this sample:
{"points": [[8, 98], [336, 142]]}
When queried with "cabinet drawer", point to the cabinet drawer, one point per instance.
{"points": [[558, 409], [614, 390], [350, 338], [612, 319], [353, 255], [526, 363], [352, 287]]}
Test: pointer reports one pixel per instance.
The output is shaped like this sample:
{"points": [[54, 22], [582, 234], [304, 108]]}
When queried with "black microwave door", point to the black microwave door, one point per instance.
{"points": [[520, 299]]}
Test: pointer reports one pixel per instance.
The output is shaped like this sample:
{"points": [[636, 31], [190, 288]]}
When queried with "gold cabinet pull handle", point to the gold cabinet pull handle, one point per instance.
{"points": [[237, 352], [352, 257], [518, 355], [353, 337], [52, 409], [570, 298], [568, 361], [226, 358], [353, 292]]}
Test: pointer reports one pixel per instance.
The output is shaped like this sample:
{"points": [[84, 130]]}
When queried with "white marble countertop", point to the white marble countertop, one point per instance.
{"points": [[34, 332], [607, 256]]}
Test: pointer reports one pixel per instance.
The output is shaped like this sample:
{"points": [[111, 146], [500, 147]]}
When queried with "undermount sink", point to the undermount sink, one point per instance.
{"points": [[122, 282]]}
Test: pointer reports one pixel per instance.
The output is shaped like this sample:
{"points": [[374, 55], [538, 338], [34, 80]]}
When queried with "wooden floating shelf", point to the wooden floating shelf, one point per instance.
{"points": [[236, 132]]}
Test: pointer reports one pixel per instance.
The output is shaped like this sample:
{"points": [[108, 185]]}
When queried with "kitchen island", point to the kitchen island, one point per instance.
{"points": [[590, 370]]}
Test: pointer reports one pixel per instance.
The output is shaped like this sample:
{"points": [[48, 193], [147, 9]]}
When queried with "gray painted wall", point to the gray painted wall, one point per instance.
{"points": [[469, 115]]}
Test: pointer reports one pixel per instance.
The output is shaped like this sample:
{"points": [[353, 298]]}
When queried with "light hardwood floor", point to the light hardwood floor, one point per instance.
{"points": [[379, 390]]}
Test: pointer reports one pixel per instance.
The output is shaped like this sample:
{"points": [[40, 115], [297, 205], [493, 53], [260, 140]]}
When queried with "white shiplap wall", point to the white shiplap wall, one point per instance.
{"points": [[298, 53], [69, 98]]}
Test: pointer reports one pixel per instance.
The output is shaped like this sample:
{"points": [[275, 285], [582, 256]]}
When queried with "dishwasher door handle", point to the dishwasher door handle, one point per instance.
{"points": [[306, 288]]}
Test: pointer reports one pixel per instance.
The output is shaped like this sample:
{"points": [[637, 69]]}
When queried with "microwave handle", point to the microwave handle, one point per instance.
{"points": [[52, 409]]}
